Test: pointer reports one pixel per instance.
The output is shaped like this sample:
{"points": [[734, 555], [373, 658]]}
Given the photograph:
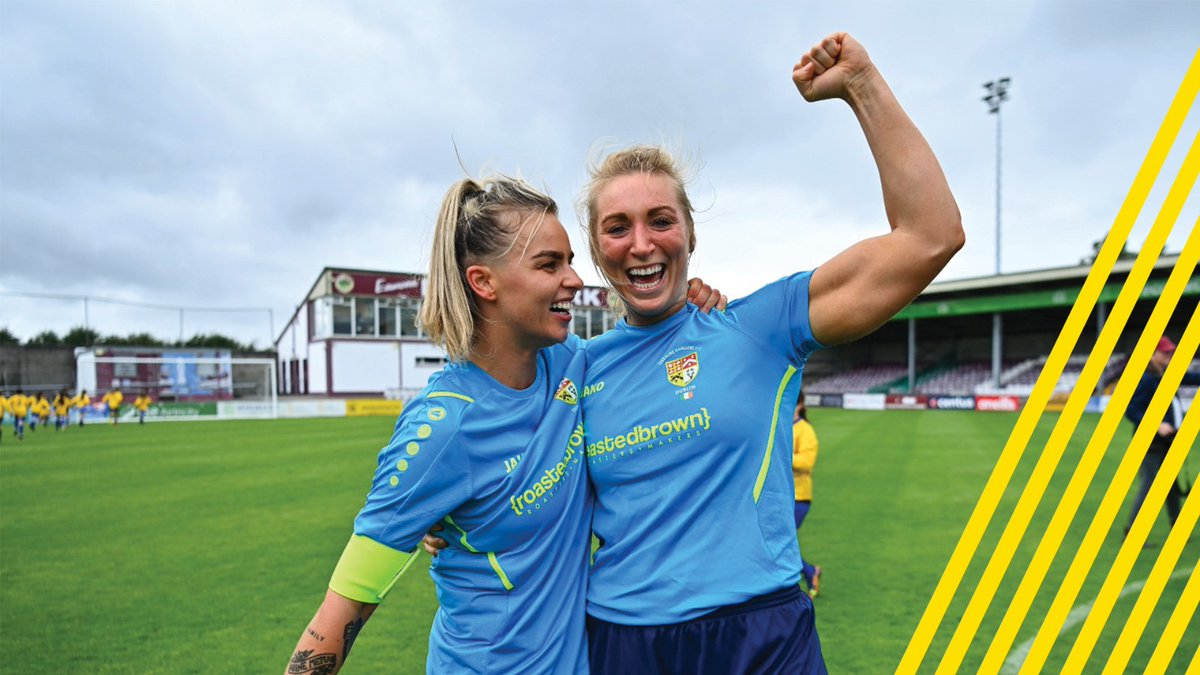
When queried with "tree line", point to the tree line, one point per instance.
{"points": [[80, 336]]}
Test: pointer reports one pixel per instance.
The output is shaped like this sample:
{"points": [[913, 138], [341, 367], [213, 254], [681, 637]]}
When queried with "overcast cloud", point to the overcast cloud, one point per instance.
{"points": [[221, 154]]}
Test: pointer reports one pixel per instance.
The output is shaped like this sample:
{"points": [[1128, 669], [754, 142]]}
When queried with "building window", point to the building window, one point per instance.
{"points": [[579, 322], [600, 321], [343, 316], [364, 317], [588, 323], [408, 318], [387, 318], [322, 317]]}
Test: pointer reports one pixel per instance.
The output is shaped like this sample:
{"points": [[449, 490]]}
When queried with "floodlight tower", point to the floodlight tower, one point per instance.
{"points": [[997, 94]]}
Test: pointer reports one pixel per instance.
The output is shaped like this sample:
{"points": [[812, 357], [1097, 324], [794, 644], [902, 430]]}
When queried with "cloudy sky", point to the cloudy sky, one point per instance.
{"points": [[220, 154]]}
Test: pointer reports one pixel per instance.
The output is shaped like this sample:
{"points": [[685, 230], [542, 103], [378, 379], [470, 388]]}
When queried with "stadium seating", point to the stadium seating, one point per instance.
{"points": [[974, 377], [857, 380], [959, 380]]}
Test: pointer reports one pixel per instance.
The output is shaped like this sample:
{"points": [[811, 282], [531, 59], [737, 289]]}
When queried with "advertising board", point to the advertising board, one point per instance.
{"points": [[951, 402], [905, 402], [863, 401], [363, 407], [998, 403]]}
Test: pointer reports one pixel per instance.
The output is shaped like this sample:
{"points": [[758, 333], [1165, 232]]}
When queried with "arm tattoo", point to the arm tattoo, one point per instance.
{"points": [[317, 636], [349, 635], [304, 663]]}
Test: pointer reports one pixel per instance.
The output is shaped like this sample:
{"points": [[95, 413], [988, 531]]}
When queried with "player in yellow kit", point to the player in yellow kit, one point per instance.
{"points": [[62, 408], [41, 411], [142, 405], [81, 402], [113, 400], [18, 406]]}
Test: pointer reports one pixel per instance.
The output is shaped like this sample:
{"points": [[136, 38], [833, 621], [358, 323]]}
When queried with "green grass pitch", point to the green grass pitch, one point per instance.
{"points": [[205, 547]]}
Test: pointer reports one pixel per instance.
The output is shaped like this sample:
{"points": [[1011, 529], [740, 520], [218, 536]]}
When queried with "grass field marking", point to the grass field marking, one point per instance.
{"points": [[766, 463], [1109, 506], [1135, 625], [1176, 624], [1016, 658], [1080, 313], [1110, 420], [1064, 427], [1132, 546]]}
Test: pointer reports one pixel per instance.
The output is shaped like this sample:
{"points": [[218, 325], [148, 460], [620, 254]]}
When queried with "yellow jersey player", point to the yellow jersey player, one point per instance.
{"points": [[40, 410], [18, 405], [81, 402], [113, 400], [62, 408], [142, 405], [3, 413]]}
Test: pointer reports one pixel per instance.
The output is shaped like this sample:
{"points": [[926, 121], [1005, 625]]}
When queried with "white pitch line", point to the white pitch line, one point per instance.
{"points": [[1016, 658]]}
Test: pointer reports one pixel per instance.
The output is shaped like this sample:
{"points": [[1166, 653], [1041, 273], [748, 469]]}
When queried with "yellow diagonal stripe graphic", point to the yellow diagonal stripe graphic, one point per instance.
{"points": [[1184, 609], [1160, 660], [1128, 554], [1101, 438], [980, 517], [1064, 428], [1110, 504], [1165, 565], [1194, 666]]}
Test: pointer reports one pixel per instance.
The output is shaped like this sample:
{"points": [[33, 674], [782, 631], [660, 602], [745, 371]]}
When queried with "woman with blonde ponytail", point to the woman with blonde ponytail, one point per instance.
{"points": [[492, 450]]}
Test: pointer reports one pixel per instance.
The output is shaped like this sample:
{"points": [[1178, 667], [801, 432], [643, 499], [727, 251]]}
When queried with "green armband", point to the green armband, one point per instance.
{"points": [[367, 570]]}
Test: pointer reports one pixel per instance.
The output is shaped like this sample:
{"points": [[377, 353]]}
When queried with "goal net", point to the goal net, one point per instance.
{"points": [[181, 386]]}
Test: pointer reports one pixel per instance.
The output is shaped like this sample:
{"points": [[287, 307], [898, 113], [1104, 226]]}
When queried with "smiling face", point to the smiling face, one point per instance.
{"points": [[532, 286], [643, 238]]}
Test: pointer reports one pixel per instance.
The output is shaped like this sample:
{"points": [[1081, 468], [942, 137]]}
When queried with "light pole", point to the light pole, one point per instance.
{"points": [[997, 94]]}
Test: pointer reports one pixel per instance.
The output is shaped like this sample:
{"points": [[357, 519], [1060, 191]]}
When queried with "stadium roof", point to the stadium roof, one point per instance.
{"points": [[1037, 289]]}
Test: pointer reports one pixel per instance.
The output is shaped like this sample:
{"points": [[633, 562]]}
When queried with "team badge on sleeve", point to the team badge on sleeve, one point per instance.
{"points": [[683, 370], [567, 393]]}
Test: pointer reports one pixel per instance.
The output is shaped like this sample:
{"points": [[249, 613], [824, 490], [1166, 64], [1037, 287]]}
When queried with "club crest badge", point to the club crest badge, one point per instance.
{"points": [[567, 393], [683, 370]]}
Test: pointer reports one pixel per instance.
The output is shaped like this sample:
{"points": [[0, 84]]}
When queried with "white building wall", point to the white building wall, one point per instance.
{"points": [[297, 344], [366, 366], [419, 361], [316, 368], [85, 370]]}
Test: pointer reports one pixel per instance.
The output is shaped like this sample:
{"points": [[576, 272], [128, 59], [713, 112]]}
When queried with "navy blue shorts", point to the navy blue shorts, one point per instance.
{"points": [[773, 634]]}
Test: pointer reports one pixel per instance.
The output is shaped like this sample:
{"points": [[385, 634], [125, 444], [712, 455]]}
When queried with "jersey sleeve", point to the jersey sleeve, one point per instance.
{"points": [[423, 474], [777, 316]]}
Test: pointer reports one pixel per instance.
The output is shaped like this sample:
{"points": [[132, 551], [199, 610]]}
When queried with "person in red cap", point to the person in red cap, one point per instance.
{"points": [[1165, 435]]}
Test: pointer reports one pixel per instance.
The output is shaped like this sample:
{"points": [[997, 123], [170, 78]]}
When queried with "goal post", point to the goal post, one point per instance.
{"points": [[182, 386]]}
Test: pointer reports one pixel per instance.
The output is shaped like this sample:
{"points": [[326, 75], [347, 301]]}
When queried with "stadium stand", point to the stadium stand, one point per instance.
{"points": [[965, 378], [954, 336], [862, 379]]}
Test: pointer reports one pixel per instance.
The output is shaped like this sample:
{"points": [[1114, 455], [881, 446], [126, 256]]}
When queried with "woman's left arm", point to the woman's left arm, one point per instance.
{"points": [[862, 287]]}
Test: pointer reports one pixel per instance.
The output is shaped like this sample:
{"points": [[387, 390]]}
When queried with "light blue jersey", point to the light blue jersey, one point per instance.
{"points": [[689, 426], [504, 471]]}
